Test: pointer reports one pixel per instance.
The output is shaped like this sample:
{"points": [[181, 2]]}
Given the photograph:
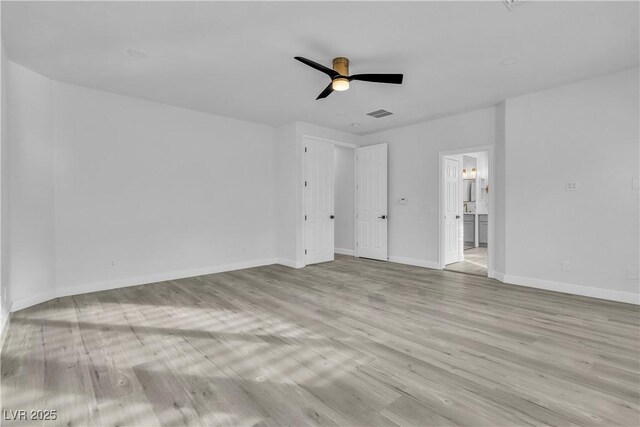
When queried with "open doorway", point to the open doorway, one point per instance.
{"points": [[465, 206], [344, 170]]}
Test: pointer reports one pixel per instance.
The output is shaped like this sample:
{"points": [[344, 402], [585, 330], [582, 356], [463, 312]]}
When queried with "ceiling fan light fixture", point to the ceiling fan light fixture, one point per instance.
{"points": [[340, 84], [340, 77]]}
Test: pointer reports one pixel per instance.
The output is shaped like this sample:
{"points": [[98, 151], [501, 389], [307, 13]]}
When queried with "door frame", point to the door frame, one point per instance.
{"points": [[303, 200], [491, 235]]}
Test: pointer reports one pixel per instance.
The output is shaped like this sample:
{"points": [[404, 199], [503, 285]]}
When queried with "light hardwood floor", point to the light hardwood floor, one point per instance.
{"points": [[475, 262], [352, 342]]}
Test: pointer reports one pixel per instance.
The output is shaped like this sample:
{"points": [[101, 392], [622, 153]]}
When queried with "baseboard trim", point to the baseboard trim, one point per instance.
{"points": [[289, 263], [136, 281], [343, 251], [21, 303], [415, 262], [569, 288], [4, 326]]}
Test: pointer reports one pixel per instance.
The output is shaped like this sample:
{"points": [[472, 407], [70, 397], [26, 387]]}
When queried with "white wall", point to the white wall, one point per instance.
{"points": [[29, 152], [108, 191], [101, 190], [4, 191], [157, 190], [344, 198], [587, 132], [287, 194], [498, 188], [414, 173]]}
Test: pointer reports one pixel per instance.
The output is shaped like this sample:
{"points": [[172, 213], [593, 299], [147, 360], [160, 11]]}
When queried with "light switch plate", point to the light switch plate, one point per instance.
{"points": [[566, 266], [402, 201]]}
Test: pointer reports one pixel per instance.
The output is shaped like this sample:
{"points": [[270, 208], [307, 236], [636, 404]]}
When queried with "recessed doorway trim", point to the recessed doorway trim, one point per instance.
{"points": [[491, 235]]}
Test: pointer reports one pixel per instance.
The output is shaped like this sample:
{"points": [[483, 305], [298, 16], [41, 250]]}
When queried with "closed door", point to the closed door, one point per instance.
{"points": [[452, 203], [319, 201], [372, 201]]}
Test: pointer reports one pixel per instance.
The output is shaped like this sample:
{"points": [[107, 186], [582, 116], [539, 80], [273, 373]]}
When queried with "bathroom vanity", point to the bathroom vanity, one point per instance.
{"points": [[476, 228]]}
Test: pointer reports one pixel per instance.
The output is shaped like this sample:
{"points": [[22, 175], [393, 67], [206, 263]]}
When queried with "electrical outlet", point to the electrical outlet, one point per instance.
{"points": [[570, 186], [632, 273], [112, 263], [566, 266], [402, 201]]}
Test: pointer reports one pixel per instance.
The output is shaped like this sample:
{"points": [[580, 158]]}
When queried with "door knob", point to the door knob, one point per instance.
{"points": [[383, 217], [331, 216], [457, 216]]}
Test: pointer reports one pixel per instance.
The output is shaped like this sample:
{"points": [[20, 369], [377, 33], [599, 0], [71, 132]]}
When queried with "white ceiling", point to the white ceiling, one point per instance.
{"points": [[236, 59]]}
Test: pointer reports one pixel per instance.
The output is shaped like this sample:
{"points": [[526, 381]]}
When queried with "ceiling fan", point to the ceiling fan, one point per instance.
{"points": [[340, 77]]}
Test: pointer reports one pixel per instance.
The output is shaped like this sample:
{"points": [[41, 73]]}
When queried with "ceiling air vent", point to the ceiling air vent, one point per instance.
{"points": [[379, 114], [511, 4]]}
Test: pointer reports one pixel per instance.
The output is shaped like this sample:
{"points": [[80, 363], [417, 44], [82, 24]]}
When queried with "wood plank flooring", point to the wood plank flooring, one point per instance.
{"points": [[352, 342]]}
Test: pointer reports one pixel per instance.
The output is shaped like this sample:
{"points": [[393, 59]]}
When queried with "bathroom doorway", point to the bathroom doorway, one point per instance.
{"points": [[465, 210]]}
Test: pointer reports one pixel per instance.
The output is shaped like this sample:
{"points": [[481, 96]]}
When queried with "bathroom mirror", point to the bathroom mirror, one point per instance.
{"points": [[469, 194]]}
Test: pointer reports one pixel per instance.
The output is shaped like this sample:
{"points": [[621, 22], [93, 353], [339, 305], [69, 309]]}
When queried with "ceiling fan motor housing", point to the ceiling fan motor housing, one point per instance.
{"points": [[341, 65]]}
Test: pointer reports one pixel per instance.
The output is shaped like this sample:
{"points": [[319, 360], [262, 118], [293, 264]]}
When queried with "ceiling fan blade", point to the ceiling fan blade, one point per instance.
{"points": [[378, 78], [328, 71], [326, 92]]}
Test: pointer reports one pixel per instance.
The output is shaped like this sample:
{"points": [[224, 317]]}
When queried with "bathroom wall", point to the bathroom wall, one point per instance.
{"points": [[482, 198]]}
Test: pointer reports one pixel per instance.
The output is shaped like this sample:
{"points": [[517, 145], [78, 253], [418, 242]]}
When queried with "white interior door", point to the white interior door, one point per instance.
{"points": [[319, 201], [372, 201], [452, 220]]}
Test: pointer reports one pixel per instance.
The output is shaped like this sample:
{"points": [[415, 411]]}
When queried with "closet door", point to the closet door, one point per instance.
{"points": [[319, 202]]}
